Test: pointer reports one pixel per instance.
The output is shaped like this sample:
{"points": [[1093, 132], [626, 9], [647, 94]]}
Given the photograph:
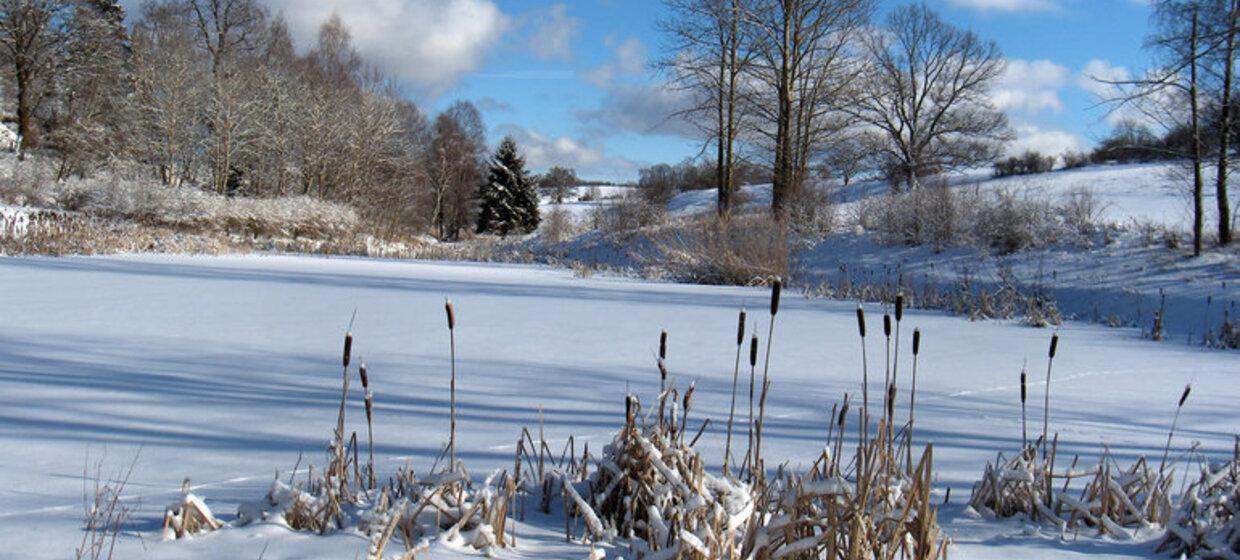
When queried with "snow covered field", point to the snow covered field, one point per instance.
{"points": [[225, 369]]}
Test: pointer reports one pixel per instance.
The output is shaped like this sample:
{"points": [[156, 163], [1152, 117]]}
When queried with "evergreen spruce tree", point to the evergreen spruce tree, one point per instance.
{"points": [[508, 200]]}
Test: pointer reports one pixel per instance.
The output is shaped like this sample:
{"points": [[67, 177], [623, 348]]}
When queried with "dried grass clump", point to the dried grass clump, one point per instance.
{"points": [[188, 517], [1207, 522], [1112, 500], [740, 250]]}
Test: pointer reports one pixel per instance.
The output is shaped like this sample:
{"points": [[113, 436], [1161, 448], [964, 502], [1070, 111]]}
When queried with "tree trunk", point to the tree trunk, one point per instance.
{"points": [[1198, 184], [25, 107], [1225, 124]]}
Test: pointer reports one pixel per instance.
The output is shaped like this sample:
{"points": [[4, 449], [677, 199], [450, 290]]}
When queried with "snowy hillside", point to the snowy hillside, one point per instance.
{"points": [[227, 370], [1118, 275]]}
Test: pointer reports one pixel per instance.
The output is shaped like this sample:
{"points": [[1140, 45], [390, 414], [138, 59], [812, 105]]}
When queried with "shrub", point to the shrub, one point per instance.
{"points": [[149, 203], [1073, 159], [558, 225], [626, 216], [1081, 212], [736, 250], [1029, 163]]}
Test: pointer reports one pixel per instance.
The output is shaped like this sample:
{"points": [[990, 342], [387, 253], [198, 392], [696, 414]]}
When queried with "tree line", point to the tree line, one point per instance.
{"points": [[799, 85], [1190, 93], [212, 93]]}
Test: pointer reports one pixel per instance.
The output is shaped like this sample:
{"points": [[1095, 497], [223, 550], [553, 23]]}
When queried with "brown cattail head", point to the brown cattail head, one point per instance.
{"points": [[887, 325], [899, 307], [370, 407], [843, 411], [348, 348], [689, 395], [753, 351], [447, 307], [916, 341], [891, 400], [663, 345], [740, 329], [861, 321], [1054, 345], [1023, 389], [1187, 389], [776, 287], [361, 370]]}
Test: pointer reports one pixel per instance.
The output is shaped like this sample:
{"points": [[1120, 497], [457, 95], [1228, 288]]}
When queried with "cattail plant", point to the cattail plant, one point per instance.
{"points": [[895, 356], [776, 287], [1046, 405], [912, 398], [370, 426], [447, 306], [753, 368], [740, 343], [865, 366], [887, 353], [1024, 426], [662, 361], [1167, 450]]}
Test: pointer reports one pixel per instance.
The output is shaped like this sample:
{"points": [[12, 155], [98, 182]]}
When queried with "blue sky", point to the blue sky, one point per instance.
{"points": [[572, 82]]}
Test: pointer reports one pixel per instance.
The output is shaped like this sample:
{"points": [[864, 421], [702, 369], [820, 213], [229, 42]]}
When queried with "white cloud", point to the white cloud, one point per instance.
{"points": [[542, 151], [428, 43], [652, 108], [1006, 5], [1031, 86], [1046, 141], [1100, 78], [628, 59], [553, 34]]}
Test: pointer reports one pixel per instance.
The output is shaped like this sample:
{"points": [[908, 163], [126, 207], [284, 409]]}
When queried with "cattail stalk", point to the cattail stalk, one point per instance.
{"points": [[736, 372], [887, 354], [865, 369], [1046, 405], [370, 427], [912, 398], [1024, 429], [447, 306], [1167, 450], [753, 368], [776, 288], [895, 356]]}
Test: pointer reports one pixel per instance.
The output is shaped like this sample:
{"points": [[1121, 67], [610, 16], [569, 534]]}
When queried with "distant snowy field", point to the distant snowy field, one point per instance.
{"points": [[225, 369]]}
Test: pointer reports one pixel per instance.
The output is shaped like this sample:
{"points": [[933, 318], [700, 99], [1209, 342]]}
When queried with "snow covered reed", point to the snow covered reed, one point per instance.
{"points": [[1206, 523]]}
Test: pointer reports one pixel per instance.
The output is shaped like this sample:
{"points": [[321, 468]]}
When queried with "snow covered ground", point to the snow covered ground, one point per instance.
{"points": [[226, 369], [1120, 282]]}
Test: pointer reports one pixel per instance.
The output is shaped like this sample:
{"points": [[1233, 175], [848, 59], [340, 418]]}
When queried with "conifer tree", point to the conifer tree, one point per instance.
{"points": [[508, 200]]}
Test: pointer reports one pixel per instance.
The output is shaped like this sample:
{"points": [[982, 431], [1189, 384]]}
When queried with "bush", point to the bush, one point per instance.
{"points": [[1005, 220], [1028, 163], [150, 203], [1081, 212], [558, 226], [740, 250], [626, 216], [811, 213], [1075, 160]]}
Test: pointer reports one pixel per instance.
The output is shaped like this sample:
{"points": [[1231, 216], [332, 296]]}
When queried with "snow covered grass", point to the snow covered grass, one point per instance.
{"points": [[143, 201], [220, 369]]}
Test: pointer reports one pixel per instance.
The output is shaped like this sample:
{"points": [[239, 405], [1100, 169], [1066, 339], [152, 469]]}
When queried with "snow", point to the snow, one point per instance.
{"points": [[226, 370]]}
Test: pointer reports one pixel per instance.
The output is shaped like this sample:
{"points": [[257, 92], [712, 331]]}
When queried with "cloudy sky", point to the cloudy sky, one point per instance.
{"points": [[572, 81]]}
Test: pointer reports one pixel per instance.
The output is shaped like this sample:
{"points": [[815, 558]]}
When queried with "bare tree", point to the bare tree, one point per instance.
{"points": [[804, 57], [94, 82], [31, 40], [1226, 26], [927, 90], [558, 182], [169, 92], [454, 169], [709, 58]]}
